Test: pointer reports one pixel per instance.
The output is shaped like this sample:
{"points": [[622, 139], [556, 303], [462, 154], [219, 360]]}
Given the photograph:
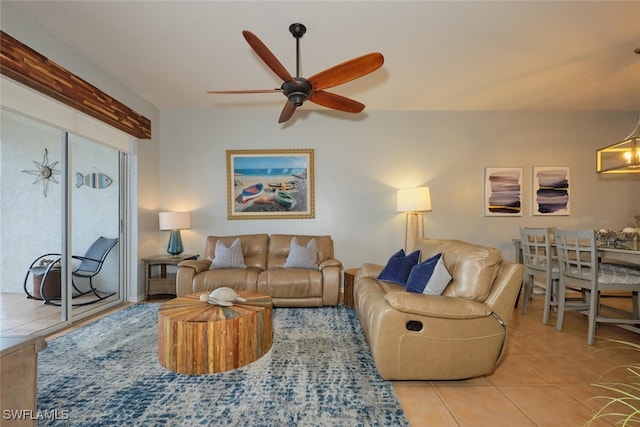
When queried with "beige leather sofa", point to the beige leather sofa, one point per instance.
{"points": [[264, 256], [460, 334]]}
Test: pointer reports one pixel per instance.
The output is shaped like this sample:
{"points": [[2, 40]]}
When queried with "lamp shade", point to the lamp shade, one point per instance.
{"points": [[174, 220], [416, 199]]}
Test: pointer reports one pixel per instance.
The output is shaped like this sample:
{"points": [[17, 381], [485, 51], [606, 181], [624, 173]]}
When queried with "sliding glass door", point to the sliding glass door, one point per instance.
{"points": [[61, 240], [95, 195]]}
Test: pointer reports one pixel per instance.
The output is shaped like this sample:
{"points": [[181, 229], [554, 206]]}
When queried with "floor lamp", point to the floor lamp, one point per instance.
{"points": [[413, 202], [174, 221]]}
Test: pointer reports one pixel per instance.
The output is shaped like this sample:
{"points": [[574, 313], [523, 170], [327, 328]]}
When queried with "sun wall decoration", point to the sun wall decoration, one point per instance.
{"points": [[44, 172]]}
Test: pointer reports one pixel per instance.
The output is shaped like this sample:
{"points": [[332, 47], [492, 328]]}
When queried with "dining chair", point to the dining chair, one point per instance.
{"points": [[539, 262], [580, 267]]}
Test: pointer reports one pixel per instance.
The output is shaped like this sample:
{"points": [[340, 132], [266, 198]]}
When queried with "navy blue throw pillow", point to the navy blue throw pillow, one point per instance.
{"points": [[399, 267]]}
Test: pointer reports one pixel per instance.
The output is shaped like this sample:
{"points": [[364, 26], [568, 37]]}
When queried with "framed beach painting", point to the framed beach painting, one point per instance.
{"points": [[503, 191], [550, 190], [270, 184]]}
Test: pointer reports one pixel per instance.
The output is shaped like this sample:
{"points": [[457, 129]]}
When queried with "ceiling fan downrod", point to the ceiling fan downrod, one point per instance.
{"points": [[299, 89], [297, 30]]}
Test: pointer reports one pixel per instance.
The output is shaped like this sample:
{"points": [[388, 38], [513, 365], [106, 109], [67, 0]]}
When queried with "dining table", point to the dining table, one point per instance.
{"points": [[630, 254], [626, 253]]}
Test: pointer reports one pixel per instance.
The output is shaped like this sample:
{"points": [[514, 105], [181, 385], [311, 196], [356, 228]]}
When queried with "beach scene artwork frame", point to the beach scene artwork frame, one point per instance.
{"points": [[270, 184], [550, 190], [502, 191]]}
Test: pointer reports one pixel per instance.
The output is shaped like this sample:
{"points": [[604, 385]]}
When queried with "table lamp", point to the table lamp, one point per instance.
{"points": [[174, 221], [413, 201]]}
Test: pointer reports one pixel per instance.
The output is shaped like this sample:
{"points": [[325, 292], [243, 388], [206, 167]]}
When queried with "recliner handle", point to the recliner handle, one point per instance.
{"points": [[414, 325]]}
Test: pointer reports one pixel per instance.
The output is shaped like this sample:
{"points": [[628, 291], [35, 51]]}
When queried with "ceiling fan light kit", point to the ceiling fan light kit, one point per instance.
{"points": [[299, 89]]}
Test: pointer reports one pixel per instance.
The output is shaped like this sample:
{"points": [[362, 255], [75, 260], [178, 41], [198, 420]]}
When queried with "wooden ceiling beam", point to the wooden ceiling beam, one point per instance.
{"points": [[24, 65]]}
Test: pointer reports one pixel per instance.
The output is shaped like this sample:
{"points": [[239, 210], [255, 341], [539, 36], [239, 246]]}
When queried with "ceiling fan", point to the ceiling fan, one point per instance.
{"points": [[299, 89]]}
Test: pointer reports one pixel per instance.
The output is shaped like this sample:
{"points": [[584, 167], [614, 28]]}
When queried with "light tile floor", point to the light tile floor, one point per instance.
{"points": [[545, 378]]}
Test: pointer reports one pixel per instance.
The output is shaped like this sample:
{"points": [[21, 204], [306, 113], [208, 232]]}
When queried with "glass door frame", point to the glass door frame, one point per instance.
{"points": [[68, 316]]}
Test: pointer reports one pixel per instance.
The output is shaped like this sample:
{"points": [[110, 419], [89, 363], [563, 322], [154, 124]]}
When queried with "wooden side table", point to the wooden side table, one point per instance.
{"points": [[349, 278], [157, 281]]}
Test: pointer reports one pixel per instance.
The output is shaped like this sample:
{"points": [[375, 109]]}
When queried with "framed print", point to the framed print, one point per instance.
{"points": [[550, 190], [270, 184], [503, 191]]}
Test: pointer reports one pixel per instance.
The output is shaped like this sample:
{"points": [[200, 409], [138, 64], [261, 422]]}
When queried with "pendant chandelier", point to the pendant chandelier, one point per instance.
{"points": [[622, 157]]}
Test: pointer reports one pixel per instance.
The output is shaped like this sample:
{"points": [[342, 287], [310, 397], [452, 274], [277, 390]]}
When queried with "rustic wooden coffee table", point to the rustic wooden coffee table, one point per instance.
{"points": [[196, 337]]}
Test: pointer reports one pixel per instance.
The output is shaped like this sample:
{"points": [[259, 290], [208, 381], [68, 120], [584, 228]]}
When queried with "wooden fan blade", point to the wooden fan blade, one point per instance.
{"points": [[231, 92], [346, 71], [265, 54], [287, 111], [337, 102]]}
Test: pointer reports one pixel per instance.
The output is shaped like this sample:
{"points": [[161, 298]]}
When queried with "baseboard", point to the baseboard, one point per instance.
{"points": [[136, 299]]}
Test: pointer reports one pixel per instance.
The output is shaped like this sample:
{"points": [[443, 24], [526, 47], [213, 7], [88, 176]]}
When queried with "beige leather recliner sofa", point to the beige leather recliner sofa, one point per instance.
{"points": [[457, 335], [264, 257]]}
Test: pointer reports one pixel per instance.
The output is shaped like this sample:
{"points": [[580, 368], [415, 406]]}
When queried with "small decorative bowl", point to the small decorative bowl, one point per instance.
{"points": [[614, 238]]}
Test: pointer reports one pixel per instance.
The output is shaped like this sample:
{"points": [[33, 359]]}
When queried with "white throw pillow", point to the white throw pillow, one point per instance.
{"points": [[430, 277], [228, 257], [302, 256]]}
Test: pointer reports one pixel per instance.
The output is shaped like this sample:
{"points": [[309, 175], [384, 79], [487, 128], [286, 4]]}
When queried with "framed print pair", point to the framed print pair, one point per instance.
{"points": [[549, 191]]}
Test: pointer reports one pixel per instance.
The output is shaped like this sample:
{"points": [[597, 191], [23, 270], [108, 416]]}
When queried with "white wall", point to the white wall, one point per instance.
{"points": [[360, 162]]}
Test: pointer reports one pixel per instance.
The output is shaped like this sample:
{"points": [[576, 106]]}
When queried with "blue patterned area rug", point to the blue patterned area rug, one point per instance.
{"points": [[319, 372]]}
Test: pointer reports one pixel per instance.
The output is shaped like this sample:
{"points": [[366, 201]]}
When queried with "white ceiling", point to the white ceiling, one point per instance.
{"points": [[444, 56]]}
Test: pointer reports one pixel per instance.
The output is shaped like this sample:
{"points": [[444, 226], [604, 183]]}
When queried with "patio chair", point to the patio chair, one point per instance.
{"points": [[46, 270]]}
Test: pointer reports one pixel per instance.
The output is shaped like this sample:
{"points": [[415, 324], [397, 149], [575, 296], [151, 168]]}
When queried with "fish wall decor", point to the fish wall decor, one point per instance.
{"points": [[93, 180]]}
